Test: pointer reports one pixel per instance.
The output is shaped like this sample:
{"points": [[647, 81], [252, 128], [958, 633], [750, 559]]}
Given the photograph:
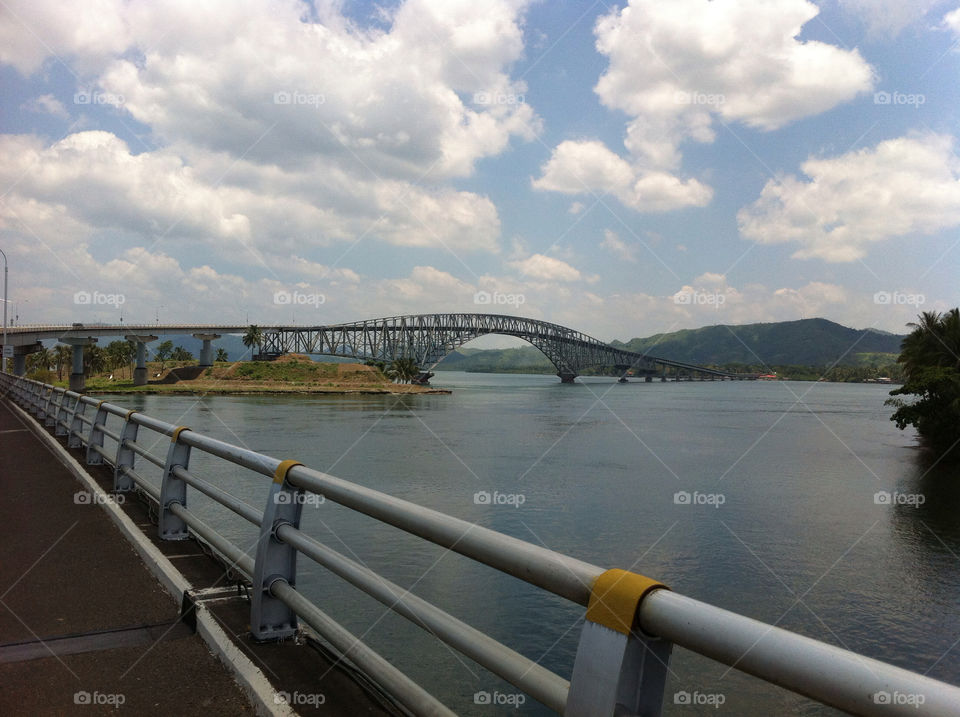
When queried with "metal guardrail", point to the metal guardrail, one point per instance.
{"points": [[631, 625]]}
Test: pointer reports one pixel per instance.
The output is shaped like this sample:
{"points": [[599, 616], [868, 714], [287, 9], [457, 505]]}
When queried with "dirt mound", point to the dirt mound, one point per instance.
{"points": [[183, 373]]}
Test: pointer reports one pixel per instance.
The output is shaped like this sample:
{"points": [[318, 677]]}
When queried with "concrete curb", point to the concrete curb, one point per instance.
{"points": [[248, 675]]}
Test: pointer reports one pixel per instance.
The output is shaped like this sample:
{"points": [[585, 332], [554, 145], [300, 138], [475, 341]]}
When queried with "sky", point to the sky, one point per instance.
{"points": [[623, 169]]}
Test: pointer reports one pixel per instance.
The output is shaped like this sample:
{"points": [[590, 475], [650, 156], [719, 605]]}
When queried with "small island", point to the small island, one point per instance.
{"points": [[292, 373]]}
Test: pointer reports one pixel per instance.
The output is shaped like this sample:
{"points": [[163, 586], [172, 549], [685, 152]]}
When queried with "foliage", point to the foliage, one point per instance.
{"points": [[163, 353], [62, 359], [931, 361], [181, 354], [253, 337], [221, 355], [403, 370]]}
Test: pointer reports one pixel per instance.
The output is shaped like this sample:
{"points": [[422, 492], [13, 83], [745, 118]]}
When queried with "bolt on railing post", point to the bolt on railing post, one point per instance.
{"points": [[75, 439], [271, 619], [618, 669], [173, 490], [125, 456], [96, 436]]}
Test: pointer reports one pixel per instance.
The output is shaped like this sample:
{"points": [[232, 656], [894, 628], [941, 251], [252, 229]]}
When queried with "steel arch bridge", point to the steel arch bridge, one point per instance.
{"points": [[428, 338]]}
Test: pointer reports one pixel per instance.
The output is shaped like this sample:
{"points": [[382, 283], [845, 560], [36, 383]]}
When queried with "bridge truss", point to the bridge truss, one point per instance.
{"points": [[428, 338]]}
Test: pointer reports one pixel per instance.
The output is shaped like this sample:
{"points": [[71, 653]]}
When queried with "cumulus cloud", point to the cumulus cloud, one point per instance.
{"points": [[284, 127], [546, 268], [902, 187], [676, 67], [951, 21], [616, 246], [47, 104]]}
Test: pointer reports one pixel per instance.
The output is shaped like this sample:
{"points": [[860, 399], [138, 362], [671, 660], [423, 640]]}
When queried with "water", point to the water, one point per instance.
{"points": [[799, 539]]}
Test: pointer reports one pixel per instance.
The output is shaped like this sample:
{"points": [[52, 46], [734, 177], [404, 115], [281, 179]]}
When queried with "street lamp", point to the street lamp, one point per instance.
{"points": [[3, 359]]}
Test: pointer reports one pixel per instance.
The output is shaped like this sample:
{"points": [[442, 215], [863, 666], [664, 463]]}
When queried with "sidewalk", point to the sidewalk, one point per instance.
{"points": [[86, 628]]}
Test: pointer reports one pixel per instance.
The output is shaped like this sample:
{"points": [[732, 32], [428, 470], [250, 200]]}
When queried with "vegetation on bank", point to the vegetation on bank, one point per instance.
{"points": [[930, 357]]}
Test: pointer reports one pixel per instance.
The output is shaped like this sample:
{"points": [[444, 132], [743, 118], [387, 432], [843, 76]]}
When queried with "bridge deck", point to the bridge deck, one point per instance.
{"points": [[82, 613]]}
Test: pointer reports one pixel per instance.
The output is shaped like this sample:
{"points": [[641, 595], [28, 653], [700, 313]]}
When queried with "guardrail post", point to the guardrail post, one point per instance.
{"points": [[75, 439], [52, 403], [96, 436], [271, 619], [618, 669], [173, 490], [61, 417], [125, 455], [34, 401]]}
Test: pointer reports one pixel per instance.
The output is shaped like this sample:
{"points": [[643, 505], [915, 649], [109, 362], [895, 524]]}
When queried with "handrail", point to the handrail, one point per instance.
{"points": [[610, 667]]}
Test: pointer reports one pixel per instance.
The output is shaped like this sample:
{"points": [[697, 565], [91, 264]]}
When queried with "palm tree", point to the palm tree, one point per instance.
{"points": [[254, 337], [221, 355], [403, 369], [181, 354], [62, 357], [162, 353], [95, 358]]}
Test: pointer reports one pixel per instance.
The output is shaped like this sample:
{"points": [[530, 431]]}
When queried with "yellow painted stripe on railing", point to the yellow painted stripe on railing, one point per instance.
{"points": [[280, 475], [615, 597], [130, 413], [176, 433]]}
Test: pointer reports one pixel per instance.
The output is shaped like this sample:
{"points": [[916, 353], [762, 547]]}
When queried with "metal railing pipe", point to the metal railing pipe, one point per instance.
{"points": [[244, 510], [231, 552], [552, 571], [141, 482], [109, 432], [154, 424], [535, 680], [389, 678], [258, 462], [831, 675], [144, 453]]}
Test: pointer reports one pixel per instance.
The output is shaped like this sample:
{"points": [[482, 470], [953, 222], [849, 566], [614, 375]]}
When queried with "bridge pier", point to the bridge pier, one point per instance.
{"points": [[78, 381], [19, 364], [423, 379], [566, 377], [206, 353], [140, 370]]}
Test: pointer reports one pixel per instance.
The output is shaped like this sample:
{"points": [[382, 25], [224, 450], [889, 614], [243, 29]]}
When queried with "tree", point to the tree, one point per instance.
{"points": [[221, 355], [119, 354], [40, 360], [62, 358], [403, 370], [162, 353], [930, 356], [181, 354], [95, 359], [254, 337]]}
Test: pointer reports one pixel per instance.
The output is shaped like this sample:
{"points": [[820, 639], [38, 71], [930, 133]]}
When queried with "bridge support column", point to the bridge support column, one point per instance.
{"points": [[206, 353], [648, 379], [566, 377], [78, 382], [140, 370], [19, 364]]}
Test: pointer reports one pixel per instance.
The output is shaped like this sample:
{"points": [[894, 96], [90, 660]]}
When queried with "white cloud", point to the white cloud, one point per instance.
{"points": [[616, 246], [901, 187], [886, 18], [546, 268], [47, 104], [588, 166], [675, 67], [951, 21]]}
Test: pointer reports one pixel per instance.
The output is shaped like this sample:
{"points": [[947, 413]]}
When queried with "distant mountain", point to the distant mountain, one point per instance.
{"points": [[807, 342]]}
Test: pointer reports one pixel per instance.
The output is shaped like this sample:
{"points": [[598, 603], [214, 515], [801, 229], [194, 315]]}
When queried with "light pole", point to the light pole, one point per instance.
{"points": [[3, 359]]}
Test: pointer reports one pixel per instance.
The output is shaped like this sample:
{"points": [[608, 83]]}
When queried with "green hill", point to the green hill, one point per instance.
{"points": [[807, 342]]}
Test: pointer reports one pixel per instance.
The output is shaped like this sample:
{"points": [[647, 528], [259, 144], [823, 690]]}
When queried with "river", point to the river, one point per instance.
{"points": [[794, 503]]}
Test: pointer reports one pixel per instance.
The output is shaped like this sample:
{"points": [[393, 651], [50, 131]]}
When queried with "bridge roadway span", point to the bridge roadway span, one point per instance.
{"points": [[88, 628], [426, 338]]}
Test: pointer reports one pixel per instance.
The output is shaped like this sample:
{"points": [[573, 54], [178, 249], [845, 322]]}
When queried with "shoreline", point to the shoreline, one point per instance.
{"points": [[194, 391]]}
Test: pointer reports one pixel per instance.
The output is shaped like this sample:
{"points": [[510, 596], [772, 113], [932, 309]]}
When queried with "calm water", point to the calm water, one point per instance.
{"points": [[798, 540]]}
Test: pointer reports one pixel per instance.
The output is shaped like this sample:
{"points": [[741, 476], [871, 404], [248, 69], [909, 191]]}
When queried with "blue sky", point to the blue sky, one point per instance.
{"points": [[623, 169]]}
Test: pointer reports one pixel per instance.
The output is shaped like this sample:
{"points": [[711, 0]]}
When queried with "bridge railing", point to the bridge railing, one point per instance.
{"points": [[631, 622]]}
